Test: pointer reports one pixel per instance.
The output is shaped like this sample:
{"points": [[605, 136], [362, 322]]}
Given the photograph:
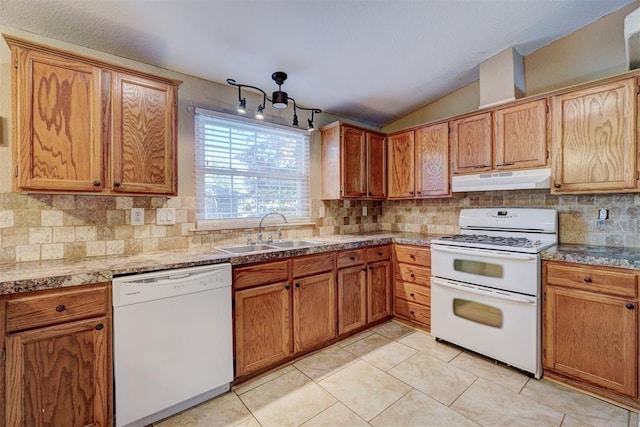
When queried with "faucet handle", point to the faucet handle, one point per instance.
{"points": [[249, 239], [279, 235], [259, 238], [270, 238]]}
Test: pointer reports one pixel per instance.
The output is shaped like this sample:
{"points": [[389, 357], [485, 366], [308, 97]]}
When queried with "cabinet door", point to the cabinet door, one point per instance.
{"points": [[330, 162], [57, 114], [521, 136], [400, 151], [144, 136], [262, 327], [594, 139], [593, 338], [378, 291], [59, 375], [352, 297], [471, 143], [314, 312], [432, 161], [353, 162], [376, 166]]}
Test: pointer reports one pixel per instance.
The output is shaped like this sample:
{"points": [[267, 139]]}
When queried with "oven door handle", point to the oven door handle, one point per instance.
{"points": [[488, 293], [489, 253]]}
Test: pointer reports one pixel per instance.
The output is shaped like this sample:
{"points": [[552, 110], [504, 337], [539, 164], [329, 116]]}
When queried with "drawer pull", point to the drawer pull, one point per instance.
{"points": [[352, 258], [587, 279], [96, 183], [364, 268], [61, 308], [630, 306], [379, 253], [412, 256], [411, 312], [99, 327], [557, 185], [297, 285], [413, 275], [287, 287], [412, 295]]}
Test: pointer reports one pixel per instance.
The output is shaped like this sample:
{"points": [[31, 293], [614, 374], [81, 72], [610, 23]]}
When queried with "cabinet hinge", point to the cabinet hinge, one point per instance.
{"points": [[233, 304], [547, 154], [234, 365], [15, 62], [4, 354], [637, 175], [638, 89], [16, 171], [547, 108]]}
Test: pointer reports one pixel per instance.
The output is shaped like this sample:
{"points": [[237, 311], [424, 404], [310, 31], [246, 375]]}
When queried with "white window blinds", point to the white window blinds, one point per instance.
{"points": [[246, 169]]}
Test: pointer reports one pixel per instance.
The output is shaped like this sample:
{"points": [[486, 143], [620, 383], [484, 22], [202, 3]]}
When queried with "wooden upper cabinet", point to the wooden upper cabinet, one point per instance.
{"points": [[144, 140], [520, 136], [353, 145], [400, 154], [83, 125], [353, 163], [594, 139], [57, 115], [432, 161], [471, 143]]}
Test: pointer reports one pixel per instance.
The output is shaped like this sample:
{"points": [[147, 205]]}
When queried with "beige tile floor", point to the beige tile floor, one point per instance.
{"points": [[392, 375]]}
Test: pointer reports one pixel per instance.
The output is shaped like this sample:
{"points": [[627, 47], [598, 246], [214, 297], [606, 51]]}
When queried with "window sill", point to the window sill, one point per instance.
{"points": [[212, 225]]}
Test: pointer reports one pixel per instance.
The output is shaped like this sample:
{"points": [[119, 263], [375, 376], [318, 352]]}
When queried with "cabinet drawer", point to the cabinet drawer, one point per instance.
{"points": [[56, 307], [260, 274], [349, 258], [413, 273], [611, 281], [415, 293], [378, 253], [416, 312], [414, 255], [304, 266]]}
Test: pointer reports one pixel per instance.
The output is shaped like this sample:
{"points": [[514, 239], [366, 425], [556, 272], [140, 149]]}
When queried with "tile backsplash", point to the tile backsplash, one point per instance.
{"points": [[43, 227]]}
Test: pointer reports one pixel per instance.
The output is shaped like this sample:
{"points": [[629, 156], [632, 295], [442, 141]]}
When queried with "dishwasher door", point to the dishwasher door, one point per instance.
{"points": [[172, 341]]}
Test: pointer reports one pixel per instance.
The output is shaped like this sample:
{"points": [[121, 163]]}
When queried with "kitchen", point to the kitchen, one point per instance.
{"points": [[48, 227]]}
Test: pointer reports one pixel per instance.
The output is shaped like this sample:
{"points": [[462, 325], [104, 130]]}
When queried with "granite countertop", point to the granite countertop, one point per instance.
{"points": [[33, 276], [606, 256]]}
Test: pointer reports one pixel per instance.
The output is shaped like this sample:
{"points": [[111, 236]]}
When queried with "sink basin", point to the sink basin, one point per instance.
{"points": [[247, 248], [290, 244]]}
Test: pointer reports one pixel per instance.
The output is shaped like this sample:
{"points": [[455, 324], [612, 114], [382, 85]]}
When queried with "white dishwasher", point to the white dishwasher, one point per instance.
{"points": [[172, 341]]}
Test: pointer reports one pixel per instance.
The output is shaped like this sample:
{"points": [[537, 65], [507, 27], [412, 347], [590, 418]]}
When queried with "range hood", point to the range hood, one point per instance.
{"points": [[507, 180]]}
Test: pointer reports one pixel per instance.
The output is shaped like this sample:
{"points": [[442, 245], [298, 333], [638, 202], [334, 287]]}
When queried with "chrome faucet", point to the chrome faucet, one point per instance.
{"points": [[260, 225]]}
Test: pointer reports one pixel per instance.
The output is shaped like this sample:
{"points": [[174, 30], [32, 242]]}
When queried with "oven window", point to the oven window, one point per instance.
{"points": [[477, 312], [478, 268]]}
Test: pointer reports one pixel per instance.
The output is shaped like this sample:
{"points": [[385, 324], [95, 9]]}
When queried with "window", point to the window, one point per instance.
{"points": [[245, 169]]}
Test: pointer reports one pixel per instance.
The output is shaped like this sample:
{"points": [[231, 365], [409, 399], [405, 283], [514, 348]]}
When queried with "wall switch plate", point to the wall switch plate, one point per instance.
{"points": [[165, 216], [364, 211], [137, 216], [321, 212], [603, 214]]}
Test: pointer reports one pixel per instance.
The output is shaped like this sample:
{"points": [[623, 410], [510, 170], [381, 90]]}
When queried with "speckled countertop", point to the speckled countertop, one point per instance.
{"points": [[606, 256], [33, 276]]}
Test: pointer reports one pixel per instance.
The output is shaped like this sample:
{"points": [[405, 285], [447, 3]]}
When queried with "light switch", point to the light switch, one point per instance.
{"points": [[165, 216]]}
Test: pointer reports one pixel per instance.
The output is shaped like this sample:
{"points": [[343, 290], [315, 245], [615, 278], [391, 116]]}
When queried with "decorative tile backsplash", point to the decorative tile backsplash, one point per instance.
{"points": [[46, 227]]}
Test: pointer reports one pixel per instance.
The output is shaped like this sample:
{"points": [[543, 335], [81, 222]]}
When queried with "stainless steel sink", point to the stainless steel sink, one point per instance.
{"points": [[247, 249], [291, 244]]}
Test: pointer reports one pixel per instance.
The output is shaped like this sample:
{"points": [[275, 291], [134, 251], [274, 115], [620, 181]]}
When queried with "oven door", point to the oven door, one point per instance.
{"points": [[498, 324], [511, 271]]}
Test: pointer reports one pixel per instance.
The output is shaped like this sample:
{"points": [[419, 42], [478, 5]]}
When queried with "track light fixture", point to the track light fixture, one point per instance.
{"points": [[279, 99]]}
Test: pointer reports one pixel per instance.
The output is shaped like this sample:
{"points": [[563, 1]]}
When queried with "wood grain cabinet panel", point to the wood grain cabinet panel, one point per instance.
{"points": [[401, 157], [352, 297], [57, 362], [594, 139], [378, 291], [353, 163], [432, 161], [314, 312], [471, 144], [590, 337], [86, 126], [144, 140], [412, 284]]}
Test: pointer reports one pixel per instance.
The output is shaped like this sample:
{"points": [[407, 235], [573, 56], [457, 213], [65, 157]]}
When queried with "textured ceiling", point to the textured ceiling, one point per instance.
{"points": [[371, 60]]}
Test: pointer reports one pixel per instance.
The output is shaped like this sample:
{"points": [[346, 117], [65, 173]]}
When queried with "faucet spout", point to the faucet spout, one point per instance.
{"points": [[262, 219]]}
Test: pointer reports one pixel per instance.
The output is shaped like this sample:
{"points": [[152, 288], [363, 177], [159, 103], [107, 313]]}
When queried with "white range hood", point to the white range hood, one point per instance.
{"points": [[507, 180]]}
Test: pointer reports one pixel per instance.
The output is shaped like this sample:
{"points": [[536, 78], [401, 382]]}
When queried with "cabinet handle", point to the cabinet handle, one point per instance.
{"points": [[411, 313], [411, 193], [369, 193], [370, 268], [116, 183], [352, 258], [557, 185], [412, 256], [99, 327], [364, 269], [61, 308], [419, 192], [297, 285], [96, 183], [481, 166], [587, 279], [630, 306], [413, 275], [379, 253], [412, 295], [505, 164], [287, 287]]}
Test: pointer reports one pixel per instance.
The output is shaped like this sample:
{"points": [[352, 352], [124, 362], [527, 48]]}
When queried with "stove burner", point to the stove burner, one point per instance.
{"points": [[520, 242]]}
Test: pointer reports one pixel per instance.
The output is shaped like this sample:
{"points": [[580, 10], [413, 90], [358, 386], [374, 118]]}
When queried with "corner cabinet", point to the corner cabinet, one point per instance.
{"points": [[419, 163], [58, 357], [594, 139], [590, 329], [82, 125], [353, 163]]}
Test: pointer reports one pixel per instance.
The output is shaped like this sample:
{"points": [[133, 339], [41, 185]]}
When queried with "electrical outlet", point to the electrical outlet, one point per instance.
{"points": [[137, 216], [364, 211], [165, 216], [603, 214]]}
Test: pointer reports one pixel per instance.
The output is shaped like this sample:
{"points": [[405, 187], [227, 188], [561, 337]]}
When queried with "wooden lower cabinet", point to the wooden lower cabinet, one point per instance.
{"points": [[590, 337], [314, 312], [378, 291], [352, 297], [58, 361], [412, 285], [262, 322]]}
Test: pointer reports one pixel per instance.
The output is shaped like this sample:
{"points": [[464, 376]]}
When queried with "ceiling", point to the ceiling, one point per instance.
{"points": [[370, 60]]}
